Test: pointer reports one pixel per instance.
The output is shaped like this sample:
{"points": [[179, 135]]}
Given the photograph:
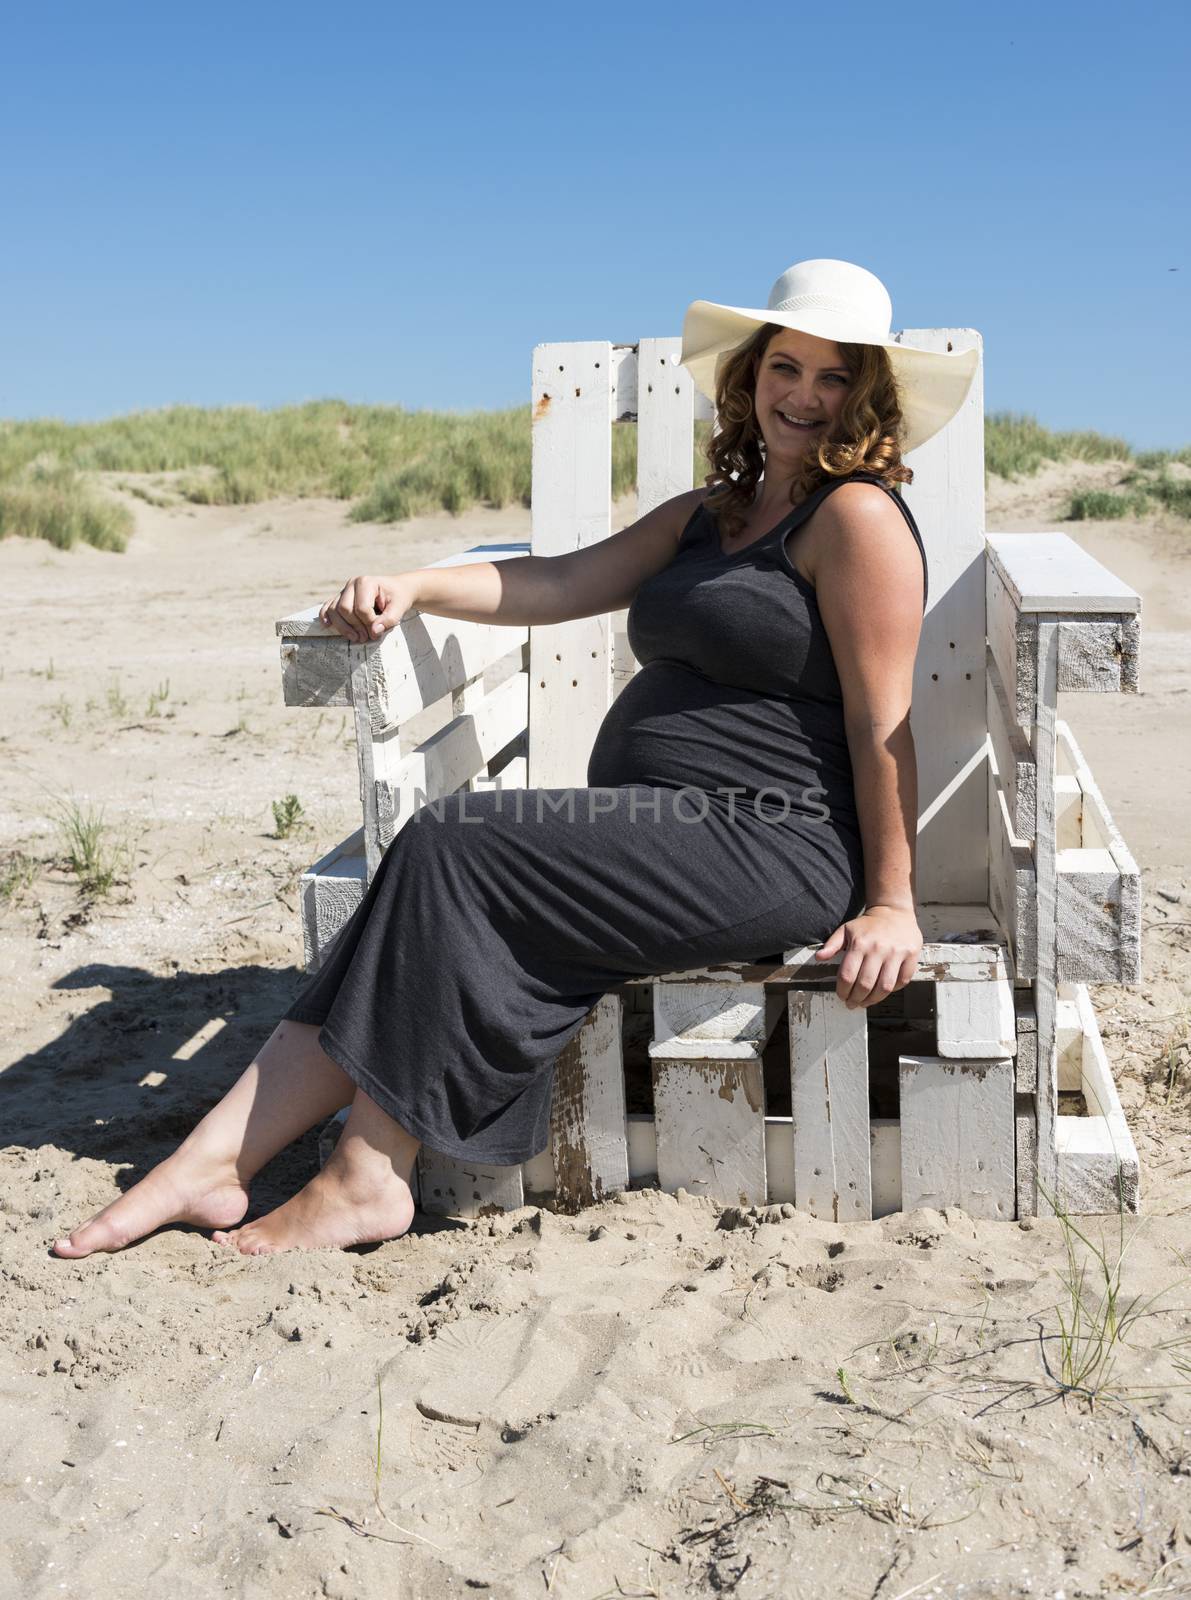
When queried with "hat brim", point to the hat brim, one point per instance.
{"points": [[932, 384]]}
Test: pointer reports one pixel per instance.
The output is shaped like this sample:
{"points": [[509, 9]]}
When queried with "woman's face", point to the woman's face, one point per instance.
{"points": [[804, 377]]}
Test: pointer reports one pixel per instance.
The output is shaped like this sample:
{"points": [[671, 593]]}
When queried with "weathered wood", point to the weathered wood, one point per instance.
{"points": [[1044, 678], [1097, 891], [1051, 572], [1097, 651], [1025, 1130], [1026, 1065], [1098, 1170], [975, 1020], [709, 1123], [829, 1095], [588, 1138], [451, 1187], [958, 1141], [694, 1021], [1011, 878], [315, 672], [1121, 908], [443, 764], [947, 500], [1068, 810], [708, 1090], [329, 892], [1011, 754], [665, 423], [570, 667], [1069, 1034]]}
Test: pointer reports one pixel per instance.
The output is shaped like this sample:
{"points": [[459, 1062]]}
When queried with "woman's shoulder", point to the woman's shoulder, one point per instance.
{"points": [[858, 509]]}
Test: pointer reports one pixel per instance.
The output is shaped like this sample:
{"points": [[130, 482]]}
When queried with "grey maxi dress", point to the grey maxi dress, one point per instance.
{"points": [[718, 823]]}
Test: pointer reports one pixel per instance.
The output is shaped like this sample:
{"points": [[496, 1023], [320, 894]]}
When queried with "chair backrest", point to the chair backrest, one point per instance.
{"points": [[580, 391]]}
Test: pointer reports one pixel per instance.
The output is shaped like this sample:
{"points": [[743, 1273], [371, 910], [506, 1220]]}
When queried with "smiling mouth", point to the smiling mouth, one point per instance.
{"points": [[798, 427]]}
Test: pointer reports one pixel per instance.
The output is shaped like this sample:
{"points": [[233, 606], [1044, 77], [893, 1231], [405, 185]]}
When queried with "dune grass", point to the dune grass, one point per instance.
{"points": [[49, 499], [390, 463]]}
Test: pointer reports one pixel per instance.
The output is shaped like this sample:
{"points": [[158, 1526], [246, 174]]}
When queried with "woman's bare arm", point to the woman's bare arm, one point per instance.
{"points": [[524, 591], [868, 579], [529, 590]]}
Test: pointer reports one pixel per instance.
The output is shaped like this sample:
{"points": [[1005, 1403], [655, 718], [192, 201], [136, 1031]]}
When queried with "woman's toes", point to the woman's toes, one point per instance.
{"points": [[93, 1235]]}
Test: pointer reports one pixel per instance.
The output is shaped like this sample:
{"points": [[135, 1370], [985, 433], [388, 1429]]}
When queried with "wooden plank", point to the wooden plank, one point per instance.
{"points": [[694, 1021], [624, 383], [1097, 654], [315, 672], [1069, 1034], [588, 1137], [709, 1123], [1011, 880], [1098, 891], [1025, 1132], [1094, 912], [1044, 675], [708, 1087], [450, 758], [1097, 1159], [975, 1020], [414, 665], [329, 892], [829, 1095], [453, 1188], [1068, 811], [1100, 831], [570, 670], [1026, 1065], [958, 1135], [665, 423], [1051, 572], [947, 500], [1011, 755]]}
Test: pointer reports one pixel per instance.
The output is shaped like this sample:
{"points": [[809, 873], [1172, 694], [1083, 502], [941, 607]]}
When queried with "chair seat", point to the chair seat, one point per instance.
{"points": [[960, 944]]}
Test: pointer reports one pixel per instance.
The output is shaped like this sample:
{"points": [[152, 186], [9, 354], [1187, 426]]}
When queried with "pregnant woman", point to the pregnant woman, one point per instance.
{"points": [[752, 788]]}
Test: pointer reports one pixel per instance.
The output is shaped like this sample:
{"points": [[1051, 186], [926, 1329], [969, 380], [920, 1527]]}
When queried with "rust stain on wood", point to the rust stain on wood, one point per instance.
{"points": [[572, 1161], [541, 408]]}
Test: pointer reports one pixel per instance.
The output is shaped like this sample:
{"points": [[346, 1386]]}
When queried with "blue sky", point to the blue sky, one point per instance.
{"points": [[277, 202]]}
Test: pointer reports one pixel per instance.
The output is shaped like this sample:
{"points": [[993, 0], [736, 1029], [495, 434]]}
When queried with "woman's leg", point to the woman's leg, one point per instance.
{"points": [[362, 1194], [290, 1085]]}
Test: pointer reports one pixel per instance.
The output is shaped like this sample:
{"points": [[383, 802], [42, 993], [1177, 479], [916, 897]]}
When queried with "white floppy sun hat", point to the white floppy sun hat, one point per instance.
{"points": [[843, 302]]}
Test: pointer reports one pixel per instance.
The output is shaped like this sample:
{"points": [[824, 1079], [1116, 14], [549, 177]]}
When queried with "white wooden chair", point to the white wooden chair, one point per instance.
{"points": [[983, 1083]]}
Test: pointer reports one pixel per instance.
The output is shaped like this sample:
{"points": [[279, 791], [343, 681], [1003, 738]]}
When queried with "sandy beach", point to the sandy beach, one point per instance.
{"points": [[652, 1398]]}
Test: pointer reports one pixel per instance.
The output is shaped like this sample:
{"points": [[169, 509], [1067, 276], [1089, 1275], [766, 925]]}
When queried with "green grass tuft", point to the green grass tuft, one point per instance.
{"points": [[1016, 444], [93, 855], [49, 500]]}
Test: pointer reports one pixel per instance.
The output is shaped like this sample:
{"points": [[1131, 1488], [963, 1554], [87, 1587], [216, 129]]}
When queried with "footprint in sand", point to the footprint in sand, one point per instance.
{"points": [[506, 1371]]}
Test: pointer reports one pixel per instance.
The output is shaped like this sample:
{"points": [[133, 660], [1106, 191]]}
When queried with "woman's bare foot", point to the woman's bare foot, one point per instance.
{"points": [[290, 1086], [334, 1210], [182, 1188], [361, 1196]]}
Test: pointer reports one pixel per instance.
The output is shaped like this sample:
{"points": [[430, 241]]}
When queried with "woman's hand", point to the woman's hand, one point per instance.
{"points": [[881, 949], [366, 608]]}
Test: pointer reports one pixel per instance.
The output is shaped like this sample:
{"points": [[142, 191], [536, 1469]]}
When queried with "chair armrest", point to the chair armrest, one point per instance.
{"points": [[1032, 578], [305, 624], [1050, 572]]}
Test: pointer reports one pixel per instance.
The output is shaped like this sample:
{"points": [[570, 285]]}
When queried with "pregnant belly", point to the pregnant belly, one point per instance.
{"points": [[674, 728]]}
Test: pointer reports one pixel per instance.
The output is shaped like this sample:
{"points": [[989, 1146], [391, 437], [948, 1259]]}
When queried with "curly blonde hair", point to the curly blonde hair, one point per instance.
{"points": [[867, 434]]}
